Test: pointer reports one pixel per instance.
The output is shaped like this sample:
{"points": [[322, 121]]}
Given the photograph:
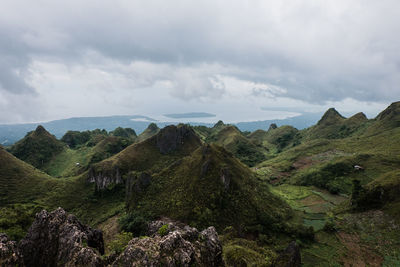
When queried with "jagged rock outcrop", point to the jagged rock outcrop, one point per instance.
{"points": [[59, 239], [171, 138], [290, 257], [105, 178], [9, 255], [175, 245]]}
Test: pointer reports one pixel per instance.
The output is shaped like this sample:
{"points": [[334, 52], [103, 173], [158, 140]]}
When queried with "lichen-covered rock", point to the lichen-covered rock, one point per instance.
{"points": [[9, 254], [290, 257], [59, 239], [179, 245]]}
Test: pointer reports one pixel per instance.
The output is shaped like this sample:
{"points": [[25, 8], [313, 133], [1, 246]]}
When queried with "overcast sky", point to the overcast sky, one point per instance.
{"points": [[236, 59]]}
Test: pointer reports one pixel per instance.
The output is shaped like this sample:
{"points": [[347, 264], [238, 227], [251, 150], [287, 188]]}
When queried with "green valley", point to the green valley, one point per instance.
{"points": [[332, 188]]}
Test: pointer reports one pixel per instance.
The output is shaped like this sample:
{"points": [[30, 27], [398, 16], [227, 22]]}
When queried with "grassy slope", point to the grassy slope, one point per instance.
{"points": [[22, 186], [234, 141], [146, 155], [374, 144], [278, 139], [64, 164], [186, 192], [150, 131], [361, 237]]}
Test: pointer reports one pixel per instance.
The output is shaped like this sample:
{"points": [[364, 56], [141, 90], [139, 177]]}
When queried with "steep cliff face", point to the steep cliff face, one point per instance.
{"points": [[173, 244], [105, 178]]}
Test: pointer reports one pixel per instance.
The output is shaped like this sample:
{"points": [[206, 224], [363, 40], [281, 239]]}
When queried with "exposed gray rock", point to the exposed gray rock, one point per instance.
{"points": [[9, 255], [104, 178], [59, 239], [181, 245], [290, 257]]}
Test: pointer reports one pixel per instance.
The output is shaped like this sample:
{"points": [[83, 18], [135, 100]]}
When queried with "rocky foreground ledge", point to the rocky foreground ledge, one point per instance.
{"points": [[59, 239]]}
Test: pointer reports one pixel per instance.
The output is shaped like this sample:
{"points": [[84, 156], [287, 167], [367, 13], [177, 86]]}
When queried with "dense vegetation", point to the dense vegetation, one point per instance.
{"points": [[334, 187]]}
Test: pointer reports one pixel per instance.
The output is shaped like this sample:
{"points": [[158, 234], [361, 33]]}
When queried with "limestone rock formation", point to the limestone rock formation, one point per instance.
{"points": [[59, 239], [175, 245], [9, 255], [104, 178]]}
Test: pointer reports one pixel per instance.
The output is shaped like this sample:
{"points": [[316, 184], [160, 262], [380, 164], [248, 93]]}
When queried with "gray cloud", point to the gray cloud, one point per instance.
{"points": [[317, 51]]}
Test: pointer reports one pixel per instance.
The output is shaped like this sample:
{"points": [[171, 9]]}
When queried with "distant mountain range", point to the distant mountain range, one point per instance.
{"points": [[10, 133]]}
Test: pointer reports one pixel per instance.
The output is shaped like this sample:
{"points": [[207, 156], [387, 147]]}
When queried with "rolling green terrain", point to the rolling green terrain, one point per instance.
{"points": [[333, 187]]}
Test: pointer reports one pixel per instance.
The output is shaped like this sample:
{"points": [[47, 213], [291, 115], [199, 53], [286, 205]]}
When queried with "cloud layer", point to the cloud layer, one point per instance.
{"points": [[80, 58]]}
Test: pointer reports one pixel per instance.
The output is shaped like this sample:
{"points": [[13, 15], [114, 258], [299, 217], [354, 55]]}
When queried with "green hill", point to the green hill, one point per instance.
{"points": [[127, 133], [151, 130], [234, 141], [20, 182], [280, 137], [332, 125], [37, 147], [209, 187], [153, 154]]}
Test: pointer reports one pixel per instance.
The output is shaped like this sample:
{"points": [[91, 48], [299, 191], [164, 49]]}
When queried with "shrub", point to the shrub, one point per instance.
{"points": [[135, 223], [120, 242], [163, 230]]}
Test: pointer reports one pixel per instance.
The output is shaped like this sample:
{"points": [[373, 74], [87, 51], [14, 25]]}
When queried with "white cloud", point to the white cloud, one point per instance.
{"points": [[75, 58]]}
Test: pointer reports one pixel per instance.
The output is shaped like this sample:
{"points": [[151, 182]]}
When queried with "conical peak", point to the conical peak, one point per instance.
{"points": [[152, 127], [330, 117], [359, 116], [219, 124], [40, 129]]}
